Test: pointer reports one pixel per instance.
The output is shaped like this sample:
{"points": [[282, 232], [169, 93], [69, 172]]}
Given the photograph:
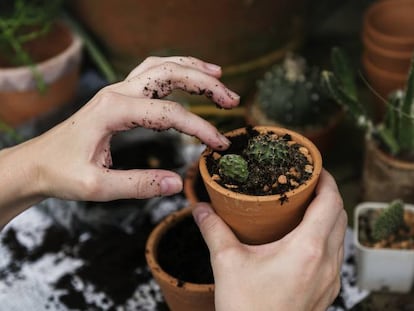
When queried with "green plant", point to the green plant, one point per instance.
{"points": [[22, 21], [233, 166], [389, 221], [290, 93], [268, 150], [396, 132]]}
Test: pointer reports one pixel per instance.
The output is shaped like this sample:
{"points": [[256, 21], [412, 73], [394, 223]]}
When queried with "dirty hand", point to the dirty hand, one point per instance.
{"points": [[299, 272], [73, 159]]}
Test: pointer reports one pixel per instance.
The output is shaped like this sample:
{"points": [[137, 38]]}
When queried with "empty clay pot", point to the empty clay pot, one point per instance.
{"points": [[262, 219], [180, 295]]}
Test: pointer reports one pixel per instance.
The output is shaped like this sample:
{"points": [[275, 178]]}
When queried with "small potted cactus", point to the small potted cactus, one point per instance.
{"points": [[388, 170], [262, 184], [290, 95], [384, 240]]}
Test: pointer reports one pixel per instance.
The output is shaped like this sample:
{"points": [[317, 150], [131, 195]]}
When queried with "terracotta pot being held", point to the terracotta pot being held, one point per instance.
{"points": [[265, 218]]}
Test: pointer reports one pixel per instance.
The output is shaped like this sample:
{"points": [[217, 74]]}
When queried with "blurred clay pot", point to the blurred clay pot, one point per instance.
{"points": [[390, 24], [394, 61], [57, 58], [266, 218]]}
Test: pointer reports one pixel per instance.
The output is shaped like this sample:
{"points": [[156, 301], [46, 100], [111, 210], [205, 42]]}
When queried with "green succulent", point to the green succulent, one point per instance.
{"points": [[389, 221], [396, 131], [233, 166], [268, 150], [290, 93]]}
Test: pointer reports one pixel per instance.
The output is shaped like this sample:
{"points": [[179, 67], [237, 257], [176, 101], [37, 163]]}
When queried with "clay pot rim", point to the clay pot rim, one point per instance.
{"points": [[373, 47], [392, 161], [368, 65], [73, 49], [151, 248], [316, 156], [373, 205], [385, 6]]}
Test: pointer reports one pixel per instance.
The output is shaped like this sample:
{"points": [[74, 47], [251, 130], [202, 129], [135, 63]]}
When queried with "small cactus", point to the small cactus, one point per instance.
{"points": [[290, 94], [389, 221], [234, 167], [268, 150]]}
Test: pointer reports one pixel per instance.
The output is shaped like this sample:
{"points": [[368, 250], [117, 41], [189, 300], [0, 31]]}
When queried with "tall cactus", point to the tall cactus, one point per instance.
{"points": [[396, 132]]}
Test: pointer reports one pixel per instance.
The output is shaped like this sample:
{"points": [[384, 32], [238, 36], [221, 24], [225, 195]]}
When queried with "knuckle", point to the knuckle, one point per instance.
{"points": [[90, 186]]}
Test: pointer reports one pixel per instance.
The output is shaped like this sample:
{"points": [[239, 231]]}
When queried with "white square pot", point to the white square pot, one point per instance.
{"points": [[382, 269]]}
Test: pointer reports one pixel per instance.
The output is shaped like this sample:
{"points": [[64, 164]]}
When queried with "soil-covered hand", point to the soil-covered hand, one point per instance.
{"points": [[73, 159], [300, 272]]}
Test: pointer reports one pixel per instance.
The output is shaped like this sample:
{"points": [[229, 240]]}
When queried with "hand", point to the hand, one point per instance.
{"points": [[73, 159], [299, 272]]}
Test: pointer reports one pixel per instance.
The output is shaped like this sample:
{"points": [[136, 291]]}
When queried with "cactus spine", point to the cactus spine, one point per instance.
{"points": [[268, 150]]}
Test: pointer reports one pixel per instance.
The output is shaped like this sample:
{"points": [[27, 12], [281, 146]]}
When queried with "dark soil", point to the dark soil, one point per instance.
{"points": [[184, 254], [402, 239], [264, 179], [113, 263]]}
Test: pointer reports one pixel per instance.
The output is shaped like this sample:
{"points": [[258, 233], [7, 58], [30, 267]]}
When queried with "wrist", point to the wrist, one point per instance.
{"points": [[19, 182]]}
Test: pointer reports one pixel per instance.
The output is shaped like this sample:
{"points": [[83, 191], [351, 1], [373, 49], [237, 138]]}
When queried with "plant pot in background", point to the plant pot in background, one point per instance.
{"points": [[382, 269], [383, 83], [58, 57], [241, 36], [388, 46], [390, 25], [385, 177], [394, 61], [265, 218], [178, 232]]}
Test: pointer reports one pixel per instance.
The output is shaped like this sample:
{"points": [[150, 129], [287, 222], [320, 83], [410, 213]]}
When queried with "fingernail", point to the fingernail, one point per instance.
{"points": [[213, 67], [224, 141], [201, 211], [233, 95], [170, 185]]}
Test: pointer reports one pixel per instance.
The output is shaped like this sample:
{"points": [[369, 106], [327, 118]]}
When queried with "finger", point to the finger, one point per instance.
{"points": [[195, 63], [322, 214], [160, 81], [133, 184], [216, 233], [158, 115], [337, 236]]}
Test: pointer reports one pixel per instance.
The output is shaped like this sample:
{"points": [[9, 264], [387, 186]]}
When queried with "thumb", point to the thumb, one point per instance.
{"points": [[214, 230]]}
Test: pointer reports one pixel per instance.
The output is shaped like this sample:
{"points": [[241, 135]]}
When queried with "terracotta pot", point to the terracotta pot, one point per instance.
{"points": [[382, 82], [390, 24], [179, 295], [21, 100], [262, 219], [241, 36], [194, 189], [322, 136], [391, 60], [384, 177]]}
